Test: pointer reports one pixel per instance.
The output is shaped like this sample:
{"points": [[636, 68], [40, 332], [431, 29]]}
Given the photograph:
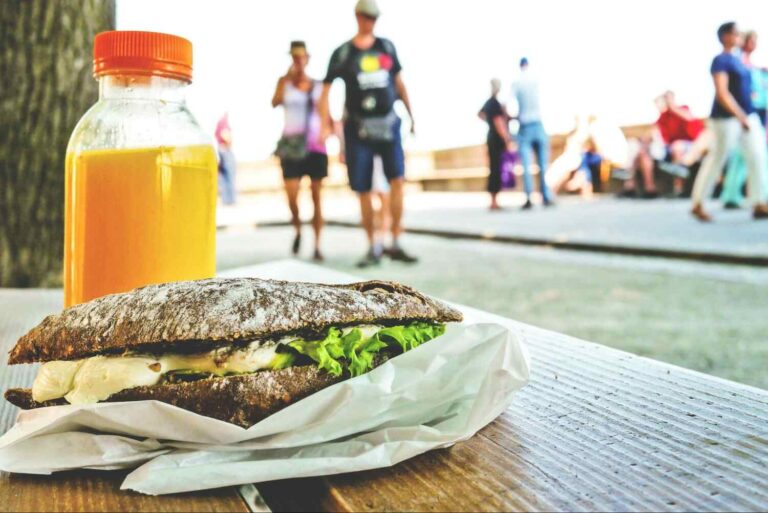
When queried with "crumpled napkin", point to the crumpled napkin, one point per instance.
{"points": [[438, 394]]}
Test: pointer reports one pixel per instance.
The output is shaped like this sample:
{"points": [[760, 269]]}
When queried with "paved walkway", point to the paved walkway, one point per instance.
{"points": [[650, 227]]}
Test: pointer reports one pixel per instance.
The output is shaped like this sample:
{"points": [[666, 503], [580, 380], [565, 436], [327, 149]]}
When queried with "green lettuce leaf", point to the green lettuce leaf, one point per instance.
{"points": [[359, 351], [325, 352], [355, 353], [411, 336]]}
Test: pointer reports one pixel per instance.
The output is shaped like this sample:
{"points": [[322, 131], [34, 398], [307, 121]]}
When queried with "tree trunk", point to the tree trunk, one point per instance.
{"points": [[46, 49]]}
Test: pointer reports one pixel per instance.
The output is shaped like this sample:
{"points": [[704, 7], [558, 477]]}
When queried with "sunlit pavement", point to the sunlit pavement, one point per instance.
{"points": [[660, 225], [342, 205]]}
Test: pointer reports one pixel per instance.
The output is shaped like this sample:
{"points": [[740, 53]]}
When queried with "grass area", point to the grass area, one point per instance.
{"points": [[702, 323]]}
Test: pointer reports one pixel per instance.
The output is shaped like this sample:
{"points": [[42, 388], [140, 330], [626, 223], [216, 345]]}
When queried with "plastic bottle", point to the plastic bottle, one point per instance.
{"points": [[140, 173]]}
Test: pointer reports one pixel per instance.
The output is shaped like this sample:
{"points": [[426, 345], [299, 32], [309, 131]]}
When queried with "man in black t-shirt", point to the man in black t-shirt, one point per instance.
{"points": [[370, 69]]}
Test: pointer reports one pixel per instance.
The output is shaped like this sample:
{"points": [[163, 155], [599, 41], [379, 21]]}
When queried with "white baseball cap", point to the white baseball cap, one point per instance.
{"points": [[368, 7]]}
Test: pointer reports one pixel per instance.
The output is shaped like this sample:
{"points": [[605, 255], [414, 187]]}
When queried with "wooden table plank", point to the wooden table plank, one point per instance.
{"points": [[596, 429], [77, 490], [100, 491]]}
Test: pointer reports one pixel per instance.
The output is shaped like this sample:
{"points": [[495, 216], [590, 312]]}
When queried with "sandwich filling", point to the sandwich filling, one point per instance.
{"points": [[348, 350]]}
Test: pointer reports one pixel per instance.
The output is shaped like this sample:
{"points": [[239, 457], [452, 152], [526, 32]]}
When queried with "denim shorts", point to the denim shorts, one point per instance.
{"points": [[359, 155]]}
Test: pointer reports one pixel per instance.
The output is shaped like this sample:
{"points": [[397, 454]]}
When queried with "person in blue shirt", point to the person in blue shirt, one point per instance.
{"points": [[736, 175], [734, 122], [531, 136]]}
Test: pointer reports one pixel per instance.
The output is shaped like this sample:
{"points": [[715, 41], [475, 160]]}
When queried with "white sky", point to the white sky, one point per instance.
{"points": [[610, 58]]}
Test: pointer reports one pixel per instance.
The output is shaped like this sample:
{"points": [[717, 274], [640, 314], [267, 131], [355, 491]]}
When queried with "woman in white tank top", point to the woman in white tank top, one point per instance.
{"points": [[302, 151]]}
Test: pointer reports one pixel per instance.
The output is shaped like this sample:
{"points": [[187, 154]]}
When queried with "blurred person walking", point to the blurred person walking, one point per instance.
{"points": [[301, 150], [734, 123], [227, 165], [531, 136], [736, 174], [499, 140], [370, 69], [759, 75]]}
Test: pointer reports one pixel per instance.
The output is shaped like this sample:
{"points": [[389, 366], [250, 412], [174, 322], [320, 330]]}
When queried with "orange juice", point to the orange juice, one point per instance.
{"points": [[138, 216]]}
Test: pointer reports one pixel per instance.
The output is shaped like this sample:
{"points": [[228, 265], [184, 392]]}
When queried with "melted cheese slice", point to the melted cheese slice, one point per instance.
{"points": [[95, 379]]}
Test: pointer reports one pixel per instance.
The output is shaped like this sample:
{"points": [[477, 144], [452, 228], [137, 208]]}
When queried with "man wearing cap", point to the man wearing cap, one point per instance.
{"points": [[531, 135], [370, 69]]}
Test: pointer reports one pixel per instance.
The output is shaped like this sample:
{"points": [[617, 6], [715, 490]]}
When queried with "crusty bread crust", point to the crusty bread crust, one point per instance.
{"points": [[196, 315], [242, 400]]}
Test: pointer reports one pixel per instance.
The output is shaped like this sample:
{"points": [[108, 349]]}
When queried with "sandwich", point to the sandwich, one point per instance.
{"points": [[237, 349]]}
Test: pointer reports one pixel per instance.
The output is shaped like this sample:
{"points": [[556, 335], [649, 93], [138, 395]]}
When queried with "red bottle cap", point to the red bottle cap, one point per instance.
{"points": [[142, 53]]}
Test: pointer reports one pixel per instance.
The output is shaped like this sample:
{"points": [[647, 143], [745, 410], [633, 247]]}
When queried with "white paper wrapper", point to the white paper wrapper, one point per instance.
{"points": [[431, 397]]}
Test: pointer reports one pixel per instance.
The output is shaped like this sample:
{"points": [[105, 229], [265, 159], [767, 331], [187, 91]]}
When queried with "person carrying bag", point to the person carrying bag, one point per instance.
{"points": [[300, 150]]}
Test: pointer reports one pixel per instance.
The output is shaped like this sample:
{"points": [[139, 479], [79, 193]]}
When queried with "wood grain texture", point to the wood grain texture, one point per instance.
{"points": [[81, 490], [595, 430], [100, 491]]}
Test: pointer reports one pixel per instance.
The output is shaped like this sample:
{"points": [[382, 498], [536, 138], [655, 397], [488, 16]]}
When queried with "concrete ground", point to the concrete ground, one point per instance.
{"points": [[708, 317], [663, 224]]}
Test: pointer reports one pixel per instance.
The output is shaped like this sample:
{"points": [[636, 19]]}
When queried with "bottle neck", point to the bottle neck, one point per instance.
{"points": [[142, 87]]}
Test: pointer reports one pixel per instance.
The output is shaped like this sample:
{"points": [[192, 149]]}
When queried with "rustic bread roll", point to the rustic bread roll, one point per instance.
{"points": [[196, 316]]}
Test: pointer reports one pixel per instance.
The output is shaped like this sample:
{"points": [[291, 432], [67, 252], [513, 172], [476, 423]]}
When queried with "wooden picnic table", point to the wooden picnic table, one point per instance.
{"points": [[595, 430]]}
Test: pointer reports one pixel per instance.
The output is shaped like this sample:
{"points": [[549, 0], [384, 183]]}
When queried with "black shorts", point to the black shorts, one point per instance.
{"points": [[314, 165]]}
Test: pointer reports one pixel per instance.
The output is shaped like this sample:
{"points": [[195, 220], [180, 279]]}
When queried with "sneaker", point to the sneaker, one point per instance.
{"points": [[370, 259], [731, 205], [699, 213], [760, 212], [549, 203], [650, 195], [677, 170], [399, 255], [296, 244], [527, 205]]}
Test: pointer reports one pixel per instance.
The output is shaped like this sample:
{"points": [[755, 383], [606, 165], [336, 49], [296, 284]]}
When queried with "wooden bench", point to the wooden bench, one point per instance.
{"points": [[453, 169]]}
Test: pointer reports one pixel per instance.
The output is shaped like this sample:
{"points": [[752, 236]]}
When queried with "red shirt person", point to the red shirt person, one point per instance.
{"points": [[682, 134], [676, 122]]}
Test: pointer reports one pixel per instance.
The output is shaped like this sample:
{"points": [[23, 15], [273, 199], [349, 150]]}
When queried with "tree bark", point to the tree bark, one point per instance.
{"points": [[46, 49]]}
